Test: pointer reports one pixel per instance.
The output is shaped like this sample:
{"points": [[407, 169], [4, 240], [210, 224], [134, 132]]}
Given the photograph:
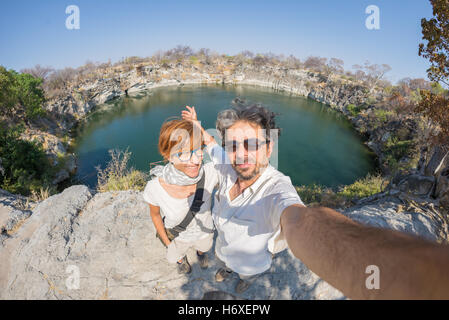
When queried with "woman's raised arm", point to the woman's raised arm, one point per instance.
{"points": [[190, 114]]}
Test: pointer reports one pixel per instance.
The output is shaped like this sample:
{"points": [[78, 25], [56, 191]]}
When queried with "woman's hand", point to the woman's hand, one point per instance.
{"points": [[189, 114]]}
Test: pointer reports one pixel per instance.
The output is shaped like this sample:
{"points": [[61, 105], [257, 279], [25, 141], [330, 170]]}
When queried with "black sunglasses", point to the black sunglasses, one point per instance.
{"points": [[249, 144]]}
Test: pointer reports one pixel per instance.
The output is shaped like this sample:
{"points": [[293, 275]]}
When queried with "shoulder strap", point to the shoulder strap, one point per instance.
{"points": [[194, 208]]}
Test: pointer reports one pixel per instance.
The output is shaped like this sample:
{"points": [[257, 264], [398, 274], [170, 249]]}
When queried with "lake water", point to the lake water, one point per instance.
{"points": [[316, 145]]}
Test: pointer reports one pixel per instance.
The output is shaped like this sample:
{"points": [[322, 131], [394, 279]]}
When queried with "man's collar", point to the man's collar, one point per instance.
{"points": [[263, 176]]}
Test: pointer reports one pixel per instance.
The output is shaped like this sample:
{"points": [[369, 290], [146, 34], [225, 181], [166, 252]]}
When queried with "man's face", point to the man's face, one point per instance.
{"points": [[247, 149]]}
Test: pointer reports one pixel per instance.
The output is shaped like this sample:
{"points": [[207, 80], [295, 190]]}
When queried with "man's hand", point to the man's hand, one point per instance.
{"points": [[339, 250]]}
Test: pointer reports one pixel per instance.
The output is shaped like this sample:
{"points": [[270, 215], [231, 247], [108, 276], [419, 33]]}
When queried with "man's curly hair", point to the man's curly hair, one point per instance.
{"points": [[242, 111]]}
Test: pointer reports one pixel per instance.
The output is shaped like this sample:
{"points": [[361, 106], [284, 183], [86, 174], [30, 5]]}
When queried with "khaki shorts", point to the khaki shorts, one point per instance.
{"points": [[177, 249]]}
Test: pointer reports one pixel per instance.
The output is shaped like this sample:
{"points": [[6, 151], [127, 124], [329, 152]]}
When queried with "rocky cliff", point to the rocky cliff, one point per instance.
{"points": [[81, 245]]}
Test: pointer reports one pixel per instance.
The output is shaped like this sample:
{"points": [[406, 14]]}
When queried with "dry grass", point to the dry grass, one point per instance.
{"points": [[41, 195], [116, 176]]}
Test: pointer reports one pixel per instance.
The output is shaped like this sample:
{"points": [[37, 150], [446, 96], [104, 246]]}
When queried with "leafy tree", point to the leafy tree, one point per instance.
{"points": [[436, 32], [30, 94], [436, 107], [8, 92], [26, 167], [20, 93], [435, 102]]}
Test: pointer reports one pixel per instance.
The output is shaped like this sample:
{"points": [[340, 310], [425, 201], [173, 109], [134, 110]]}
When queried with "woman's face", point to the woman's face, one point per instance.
{"points": [[188, 161]]}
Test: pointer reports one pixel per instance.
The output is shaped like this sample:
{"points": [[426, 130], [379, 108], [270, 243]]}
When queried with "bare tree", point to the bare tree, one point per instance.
{"points": [[204, 52], [336, 65], [179, 53], [315, 63], [39, 72], [292, 62], [59, 80], [373, 73], [333, 66], [260, 60], [247, 54]]}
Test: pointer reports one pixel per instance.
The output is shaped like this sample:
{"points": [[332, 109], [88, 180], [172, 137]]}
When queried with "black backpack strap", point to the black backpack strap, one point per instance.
{"points": [[194, 208]]}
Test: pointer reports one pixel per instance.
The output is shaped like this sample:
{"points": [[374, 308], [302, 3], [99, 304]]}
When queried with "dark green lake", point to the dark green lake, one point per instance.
{"points": [[316, 145]]}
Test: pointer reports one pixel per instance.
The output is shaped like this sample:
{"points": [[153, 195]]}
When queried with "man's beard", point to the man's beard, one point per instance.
{"points": [[247, 174]]}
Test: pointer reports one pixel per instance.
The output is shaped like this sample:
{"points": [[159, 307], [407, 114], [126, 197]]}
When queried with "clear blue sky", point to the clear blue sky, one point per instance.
{"points": [[34, 32]]}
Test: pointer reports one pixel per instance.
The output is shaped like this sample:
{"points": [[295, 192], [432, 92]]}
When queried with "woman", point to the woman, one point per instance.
{"points": [[171, 193]]}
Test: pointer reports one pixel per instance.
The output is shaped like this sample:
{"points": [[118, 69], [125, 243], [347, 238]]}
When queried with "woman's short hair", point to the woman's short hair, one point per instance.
{"points": [[177, 135]]}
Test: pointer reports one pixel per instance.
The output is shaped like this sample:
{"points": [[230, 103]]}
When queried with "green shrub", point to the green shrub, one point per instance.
{"points": [[364, 187], [310, 194], [318, 195], [383, 115], [20, 92], [315, 194], [26, 166], [353, 109], [193, 60], [394, 150]]}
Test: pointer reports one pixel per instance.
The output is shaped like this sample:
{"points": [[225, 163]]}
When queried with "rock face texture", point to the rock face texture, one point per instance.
{"points": [[14, 210], [77, 245]]}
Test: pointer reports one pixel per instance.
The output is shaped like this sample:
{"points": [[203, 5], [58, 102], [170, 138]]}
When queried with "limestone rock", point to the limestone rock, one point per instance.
{"points": [[442, 188], [109, 241], [417, 185], [389, 213], [14, 210], [40, 246], [60, 176]]}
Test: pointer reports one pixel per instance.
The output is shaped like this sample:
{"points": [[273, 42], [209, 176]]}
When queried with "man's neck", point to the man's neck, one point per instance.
{"points": [[243, 184]]}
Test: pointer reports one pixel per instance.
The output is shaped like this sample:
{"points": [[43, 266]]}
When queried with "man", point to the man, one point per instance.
{"points": [[251, 195], [333, 246]]}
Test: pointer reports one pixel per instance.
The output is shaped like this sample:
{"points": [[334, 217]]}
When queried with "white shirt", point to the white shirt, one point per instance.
{"points": [[249, 226], [174, 210]]}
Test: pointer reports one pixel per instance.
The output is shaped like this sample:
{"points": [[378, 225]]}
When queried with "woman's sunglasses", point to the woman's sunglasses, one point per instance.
{"points": [[187, 155]]}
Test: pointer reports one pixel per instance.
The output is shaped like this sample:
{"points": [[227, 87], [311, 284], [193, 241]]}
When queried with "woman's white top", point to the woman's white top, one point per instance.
{"points": [[174, 210]]}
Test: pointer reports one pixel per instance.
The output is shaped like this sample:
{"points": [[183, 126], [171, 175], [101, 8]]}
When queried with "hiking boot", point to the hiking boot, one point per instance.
{"points": [[242, 286], [203, 260], [222, 274], [184, 266]]}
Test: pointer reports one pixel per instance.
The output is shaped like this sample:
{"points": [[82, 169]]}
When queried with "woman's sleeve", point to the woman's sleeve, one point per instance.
{"points": [[149, 195], [220, 159]]}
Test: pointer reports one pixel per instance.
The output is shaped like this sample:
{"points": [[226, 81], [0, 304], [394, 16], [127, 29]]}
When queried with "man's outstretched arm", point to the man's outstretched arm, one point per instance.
{"points": [[339, 250]]}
